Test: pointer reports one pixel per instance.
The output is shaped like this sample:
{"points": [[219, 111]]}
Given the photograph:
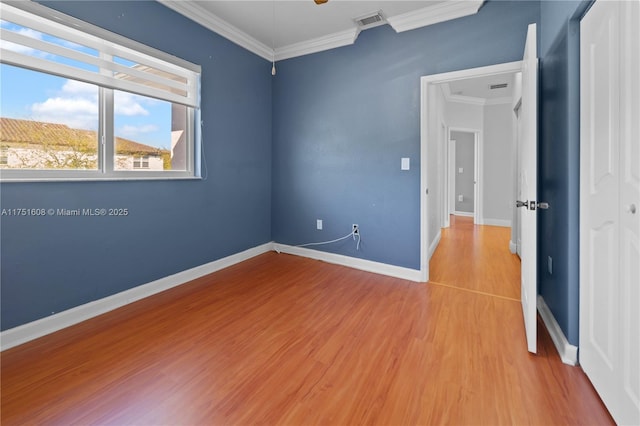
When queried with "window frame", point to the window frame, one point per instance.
{"points": [[141, 160], [4, 155], [106, 131]]}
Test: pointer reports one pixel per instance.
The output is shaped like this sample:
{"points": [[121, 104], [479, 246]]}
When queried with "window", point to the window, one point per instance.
{"points": [[4, 155], [141, 162], [79, 102]]}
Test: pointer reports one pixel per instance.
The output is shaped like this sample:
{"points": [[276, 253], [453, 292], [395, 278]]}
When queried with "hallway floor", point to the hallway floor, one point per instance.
{"points": [[476, 258]]}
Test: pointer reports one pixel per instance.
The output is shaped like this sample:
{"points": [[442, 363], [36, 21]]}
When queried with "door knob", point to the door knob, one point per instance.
{"points": [[522, 204], [631, 209]]}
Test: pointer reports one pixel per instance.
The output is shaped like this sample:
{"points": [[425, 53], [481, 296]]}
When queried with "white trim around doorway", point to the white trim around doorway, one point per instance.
{"points": [[427, 83]]}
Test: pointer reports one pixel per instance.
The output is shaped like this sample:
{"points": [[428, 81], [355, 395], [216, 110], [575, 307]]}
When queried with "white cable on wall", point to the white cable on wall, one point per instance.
{"points": [[352, 233]]}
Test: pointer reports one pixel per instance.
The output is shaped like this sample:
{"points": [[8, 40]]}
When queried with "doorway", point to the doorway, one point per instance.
{"points": [[436, 187], [463, 190], [431, 110]]}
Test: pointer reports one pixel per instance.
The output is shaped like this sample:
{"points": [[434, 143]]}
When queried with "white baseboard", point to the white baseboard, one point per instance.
{"points": [[465, 214], [568, 352], [352, 262], [434, 244], [30, 331], [35, 329], [497, 222]]}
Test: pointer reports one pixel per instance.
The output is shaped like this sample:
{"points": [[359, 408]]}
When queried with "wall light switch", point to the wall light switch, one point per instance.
{"points": [[319, 224], [460, 198], [405, 164], [550, 264], [460, 170]]}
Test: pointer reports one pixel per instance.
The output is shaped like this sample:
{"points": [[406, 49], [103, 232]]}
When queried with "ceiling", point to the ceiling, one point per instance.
{"points": [[477, 90], [283, 29]]}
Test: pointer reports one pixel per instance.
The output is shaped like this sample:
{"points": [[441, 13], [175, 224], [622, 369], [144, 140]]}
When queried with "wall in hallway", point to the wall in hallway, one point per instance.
{"points": [[465, 161], [498, 181]]}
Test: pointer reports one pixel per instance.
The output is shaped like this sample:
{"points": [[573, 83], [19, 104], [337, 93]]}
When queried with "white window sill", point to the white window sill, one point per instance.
{"points": [[99, 179]]}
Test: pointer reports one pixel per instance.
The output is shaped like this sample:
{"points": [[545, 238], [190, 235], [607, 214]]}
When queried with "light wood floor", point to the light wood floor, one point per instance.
{"points": [[476, 258], [286, 340]]}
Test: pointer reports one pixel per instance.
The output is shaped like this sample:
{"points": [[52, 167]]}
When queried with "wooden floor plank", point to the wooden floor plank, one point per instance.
{"points": [[285, 340], [476, 258]]}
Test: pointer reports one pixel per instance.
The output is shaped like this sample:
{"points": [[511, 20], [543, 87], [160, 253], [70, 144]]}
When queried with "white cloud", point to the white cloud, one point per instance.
{"points": [[128, 104], [77, 113], [76, 105], [131, 131], [79, 88]]}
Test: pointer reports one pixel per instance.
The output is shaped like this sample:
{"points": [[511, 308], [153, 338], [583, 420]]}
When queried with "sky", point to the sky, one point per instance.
{"points": [[37, 96]]}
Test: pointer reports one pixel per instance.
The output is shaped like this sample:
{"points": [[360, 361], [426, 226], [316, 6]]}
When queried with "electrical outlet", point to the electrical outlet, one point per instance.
{"points": [[355, 230], [319, 224]]}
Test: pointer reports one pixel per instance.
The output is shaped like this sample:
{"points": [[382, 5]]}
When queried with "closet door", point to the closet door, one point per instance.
{"points": [[629, 407], [609, 195]]}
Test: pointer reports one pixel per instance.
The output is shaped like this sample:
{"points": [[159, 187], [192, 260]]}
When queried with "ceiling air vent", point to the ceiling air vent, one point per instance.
{"points": [[370, 20], [498, 86]]}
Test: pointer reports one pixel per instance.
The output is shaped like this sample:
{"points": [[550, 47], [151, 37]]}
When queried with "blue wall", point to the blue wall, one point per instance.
{"points": [[51, 264], [340, 122], [559, 161], [342, 119]]}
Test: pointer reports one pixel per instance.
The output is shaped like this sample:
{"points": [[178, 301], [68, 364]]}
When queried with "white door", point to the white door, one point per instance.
{"points": [[609, 202], [529, 185], [629, 349]]}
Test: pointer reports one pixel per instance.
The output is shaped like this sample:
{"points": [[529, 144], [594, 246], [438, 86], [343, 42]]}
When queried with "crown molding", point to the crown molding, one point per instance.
{"points": [[470, 100], [466, 100], [332, 41], [205, 18], [477, 101], [450, 97], [499, 101], [430, 15]]}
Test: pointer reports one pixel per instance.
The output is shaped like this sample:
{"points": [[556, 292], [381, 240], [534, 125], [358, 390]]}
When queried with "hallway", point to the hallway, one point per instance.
{"points": [[476, 258]]}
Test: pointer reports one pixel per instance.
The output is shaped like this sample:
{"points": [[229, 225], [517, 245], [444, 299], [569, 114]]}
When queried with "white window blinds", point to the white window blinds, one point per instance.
{"points": [[72, 48]]}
